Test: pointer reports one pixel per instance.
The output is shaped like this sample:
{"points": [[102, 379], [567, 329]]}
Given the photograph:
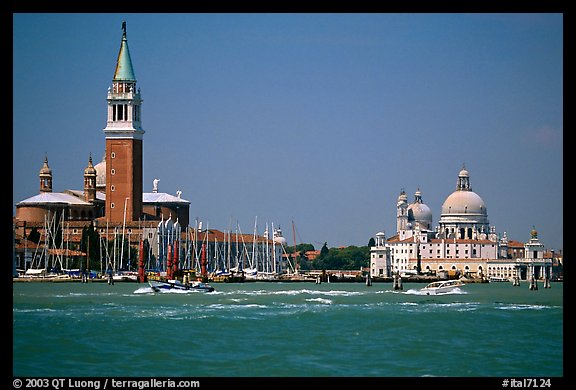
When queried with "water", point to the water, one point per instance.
{"points": [[286, 330]]}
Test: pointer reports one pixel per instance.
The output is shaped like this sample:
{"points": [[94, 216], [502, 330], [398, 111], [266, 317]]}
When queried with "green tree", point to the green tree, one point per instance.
{"points": [[371, 242], [349, 258], [300, 248], [324, 250]]}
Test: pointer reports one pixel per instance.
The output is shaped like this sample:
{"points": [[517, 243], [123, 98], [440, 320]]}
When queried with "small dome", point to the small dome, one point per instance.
{"points": [[420, 212], [45, 170], [90, 170], [463, 173]]}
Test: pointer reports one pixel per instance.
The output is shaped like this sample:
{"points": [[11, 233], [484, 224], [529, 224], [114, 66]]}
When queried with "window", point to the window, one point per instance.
{"points": [[112, 205], [112, 188], [112, 155], [112, 171]]}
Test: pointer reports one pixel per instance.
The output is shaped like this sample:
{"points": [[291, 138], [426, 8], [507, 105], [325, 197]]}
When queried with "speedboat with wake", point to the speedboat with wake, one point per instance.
{"points": [[442, 287], [161, 285]]}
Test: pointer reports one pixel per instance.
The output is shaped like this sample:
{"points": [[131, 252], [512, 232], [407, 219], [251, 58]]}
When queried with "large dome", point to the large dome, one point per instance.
{"points": [[463, 206], [464, 202], [101, 173]]}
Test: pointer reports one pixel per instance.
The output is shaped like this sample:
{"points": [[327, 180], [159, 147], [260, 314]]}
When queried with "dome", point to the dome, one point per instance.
{"points": [[280, 240], [90, 169], [464, 202], [420, 212], [45, 170], [101, 173]]}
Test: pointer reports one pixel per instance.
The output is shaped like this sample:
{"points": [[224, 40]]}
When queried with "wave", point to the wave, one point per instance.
{"points": [[320, 300], [519, 306]]}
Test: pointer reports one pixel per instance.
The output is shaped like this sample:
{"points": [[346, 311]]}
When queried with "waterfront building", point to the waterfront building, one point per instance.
{"points": [[463, 244]]}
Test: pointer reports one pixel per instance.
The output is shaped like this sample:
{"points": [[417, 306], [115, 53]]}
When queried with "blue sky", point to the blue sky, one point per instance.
{"points": [[320, 119]]}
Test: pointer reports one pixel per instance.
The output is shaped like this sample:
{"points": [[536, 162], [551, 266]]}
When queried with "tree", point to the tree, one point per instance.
{"points": [[349, 258], [371, 242], [90, 243], [324, 251], [34, 235]]}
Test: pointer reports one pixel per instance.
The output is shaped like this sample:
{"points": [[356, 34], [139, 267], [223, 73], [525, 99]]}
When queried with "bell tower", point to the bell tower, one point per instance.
{"points": [[124, 136]]}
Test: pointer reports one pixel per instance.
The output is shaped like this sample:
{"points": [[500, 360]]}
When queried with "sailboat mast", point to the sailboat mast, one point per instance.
{"points": [[274, 249], [295, 256]]}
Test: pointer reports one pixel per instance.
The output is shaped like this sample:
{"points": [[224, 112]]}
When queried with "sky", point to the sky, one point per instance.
{"points": [[315, 121]]}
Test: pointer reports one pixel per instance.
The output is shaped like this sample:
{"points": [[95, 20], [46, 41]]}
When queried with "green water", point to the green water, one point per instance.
{"points": [[286, 330]]}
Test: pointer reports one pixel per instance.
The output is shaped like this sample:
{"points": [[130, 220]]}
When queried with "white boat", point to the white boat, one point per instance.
{"points": [[494, 279], [158, 285], [442, 286]]}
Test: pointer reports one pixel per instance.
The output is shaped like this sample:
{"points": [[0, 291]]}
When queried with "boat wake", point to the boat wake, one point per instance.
{"points": [[149, 290], [455, 291]]}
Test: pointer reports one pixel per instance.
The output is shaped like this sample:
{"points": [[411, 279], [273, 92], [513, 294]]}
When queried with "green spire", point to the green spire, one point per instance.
{"points": [[124, 70]]}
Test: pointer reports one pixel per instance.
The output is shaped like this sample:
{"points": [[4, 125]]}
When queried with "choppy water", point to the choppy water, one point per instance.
{"points": [[286, 330]]}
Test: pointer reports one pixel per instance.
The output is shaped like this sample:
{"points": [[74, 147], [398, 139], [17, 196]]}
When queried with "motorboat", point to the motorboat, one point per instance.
{"points": [[494, 279], [441, 287], [161, 285]]}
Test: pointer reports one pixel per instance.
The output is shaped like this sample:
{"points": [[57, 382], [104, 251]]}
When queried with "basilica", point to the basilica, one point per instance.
{"points": [[114, 204], [112, 199], [462, 244]]}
